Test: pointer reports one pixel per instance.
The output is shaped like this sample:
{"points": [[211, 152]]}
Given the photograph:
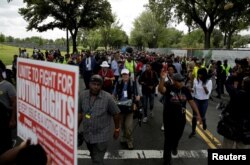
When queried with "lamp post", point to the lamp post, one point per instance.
{"points": [[67, 32]]}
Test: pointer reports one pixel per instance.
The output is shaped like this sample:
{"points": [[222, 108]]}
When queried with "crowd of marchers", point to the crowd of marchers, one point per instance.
{"points": [[118, 84]]}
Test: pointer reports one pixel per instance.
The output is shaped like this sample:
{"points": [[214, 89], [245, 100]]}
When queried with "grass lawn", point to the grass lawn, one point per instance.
{"points": [[7, 53]]}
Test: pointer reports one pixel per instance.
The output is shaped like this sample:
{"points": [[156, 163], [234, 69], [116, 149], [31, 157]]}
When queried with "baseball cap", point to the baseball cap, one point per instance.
{"points": [[125, 71], [178, 77], [96, 78]]}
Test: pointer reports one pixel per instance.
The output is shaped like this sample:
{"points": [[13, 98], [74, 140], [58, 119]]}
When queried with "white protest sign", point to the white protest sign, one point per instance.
{"points": [[47, 96]]}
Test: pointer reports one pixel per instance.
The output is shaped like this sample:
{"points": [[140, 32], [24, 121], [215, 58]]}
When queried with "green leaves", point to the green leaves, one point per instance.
{"points": [[44, 15]]}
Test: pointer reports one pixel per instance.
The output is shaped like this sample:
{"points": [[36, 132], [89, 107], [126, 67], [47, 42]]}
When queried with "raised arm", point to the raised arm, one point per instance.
{"points": [[195, 109], [161, 87]]}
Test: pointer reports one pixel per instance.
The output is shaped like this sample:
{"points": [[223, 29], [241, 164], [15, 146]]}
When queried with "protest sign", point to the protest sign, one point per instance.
{"points": [[47, 96]]}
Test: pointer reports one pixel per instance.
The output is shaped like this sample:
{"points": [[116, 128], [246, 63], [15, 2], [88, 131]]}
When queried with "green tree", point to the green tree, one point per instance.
{"points": [[239, 41], [83, 35], [193, 39], [205, 14], [148, 29], [217, 38], [86, 14], [40, 42], [237, 20], [2, 38], [10, 39], [113, 35], [118, 38], [60, 41], [137, 39], [170, 38], [160, 9], [94, 39]]}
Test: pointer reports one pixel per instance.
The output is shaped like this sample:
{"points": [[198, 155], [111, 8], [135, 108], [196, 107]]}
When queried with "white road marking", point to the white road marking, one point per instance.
{"points": [[145, 154]]}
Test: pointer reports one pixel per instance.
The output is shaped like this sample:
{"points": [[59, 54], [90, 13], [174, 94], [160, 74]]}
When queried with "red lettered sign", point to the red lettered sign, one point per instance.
{"points": [[47, 95]]}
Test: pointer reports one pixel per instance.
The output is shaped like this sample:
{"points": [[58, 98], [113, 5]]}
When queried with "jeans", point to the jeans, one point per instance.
{"points": [[148, 98], [202, 106]]}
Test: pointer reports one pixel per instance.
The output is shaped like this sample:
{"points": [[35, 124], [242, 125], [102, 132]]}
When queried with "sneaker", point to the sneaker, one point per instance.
{"points": [[151, 114], [145, 119], [174, 152], [162, 127], [204, 126], [130, 145], [192, 134]]}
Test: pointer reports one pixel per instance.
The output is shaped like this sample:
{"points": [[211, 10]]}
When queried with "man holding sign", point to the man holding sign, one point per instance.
{"points": [[97, 108]]}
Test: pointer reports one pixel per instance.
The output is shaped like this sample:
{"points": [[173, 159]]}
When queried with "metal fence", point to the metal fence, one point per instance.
{"points": [[34, 45]]}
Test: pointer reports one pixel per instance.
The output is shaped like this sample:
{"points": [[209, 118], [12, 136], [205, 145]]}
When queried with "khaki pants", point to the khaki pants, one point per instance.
{"points": [[127, 127]]}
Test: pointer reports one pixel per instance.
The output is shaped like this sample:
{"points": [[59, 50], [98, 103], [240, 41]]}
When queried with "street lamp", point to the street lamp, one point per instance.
{"points": [[67, 32]]}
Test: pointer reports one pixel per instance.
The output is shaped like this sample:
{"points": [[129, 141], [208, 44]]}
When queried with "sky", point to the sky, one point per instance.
{"points": [[12, 24]]}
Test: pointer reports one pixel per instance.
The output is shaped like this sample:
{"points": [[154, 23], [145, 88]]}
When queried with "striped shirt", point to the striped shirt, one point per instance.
{"points": [[97, 127]]}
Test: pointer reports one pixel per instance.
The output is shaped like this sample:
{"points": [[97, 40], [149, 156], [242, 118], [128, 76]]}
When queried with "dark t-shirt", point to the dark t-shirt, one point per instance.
{"points": [[173, 103]]}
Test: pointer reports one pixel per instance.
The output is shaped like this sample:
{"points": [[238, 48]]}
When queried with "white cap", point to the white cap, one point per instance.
{"points": [[125, 71], [104, 64]]}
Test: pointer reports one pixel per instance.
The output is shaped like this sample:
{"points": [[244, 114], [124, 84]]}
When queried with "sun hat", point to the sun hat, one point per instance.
{"points": [[104, 64]]}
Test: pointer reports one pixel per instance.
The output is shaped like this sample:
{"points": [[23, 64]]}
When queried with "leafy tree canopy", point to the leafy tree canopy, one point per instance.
{"points": [[205, 14], [44, 15]]}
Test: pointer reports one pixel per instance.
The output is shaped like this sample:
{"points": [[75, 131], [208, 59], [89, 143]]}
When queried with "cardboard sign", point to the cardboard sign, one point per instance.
{"points": [[47, 96]]}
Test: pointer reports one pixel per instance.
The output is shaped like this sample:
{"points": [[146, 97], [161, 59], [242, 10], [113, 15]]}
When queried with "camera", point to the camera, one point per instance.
{"points": [[138, 115]]}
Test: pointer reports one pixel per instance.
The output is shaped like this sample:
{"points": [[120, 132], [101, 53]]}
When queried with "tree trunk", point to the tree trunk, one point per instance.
{"points": [[74, 43], [207, 39], [229, 38], [225, 40], [74, 37]]}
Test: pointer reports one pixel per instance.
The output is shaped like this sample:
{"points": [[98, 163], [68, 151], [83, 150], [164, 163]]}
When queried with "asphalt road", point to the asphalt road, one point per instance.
{"points": [[149, 141]]}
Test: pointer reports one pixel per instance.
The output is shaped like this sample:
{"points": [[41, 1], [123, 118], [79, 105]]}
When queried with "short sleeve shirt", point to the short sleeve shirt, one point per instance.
{"points": [[97, 128], [176, 99], [7, 91]]}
